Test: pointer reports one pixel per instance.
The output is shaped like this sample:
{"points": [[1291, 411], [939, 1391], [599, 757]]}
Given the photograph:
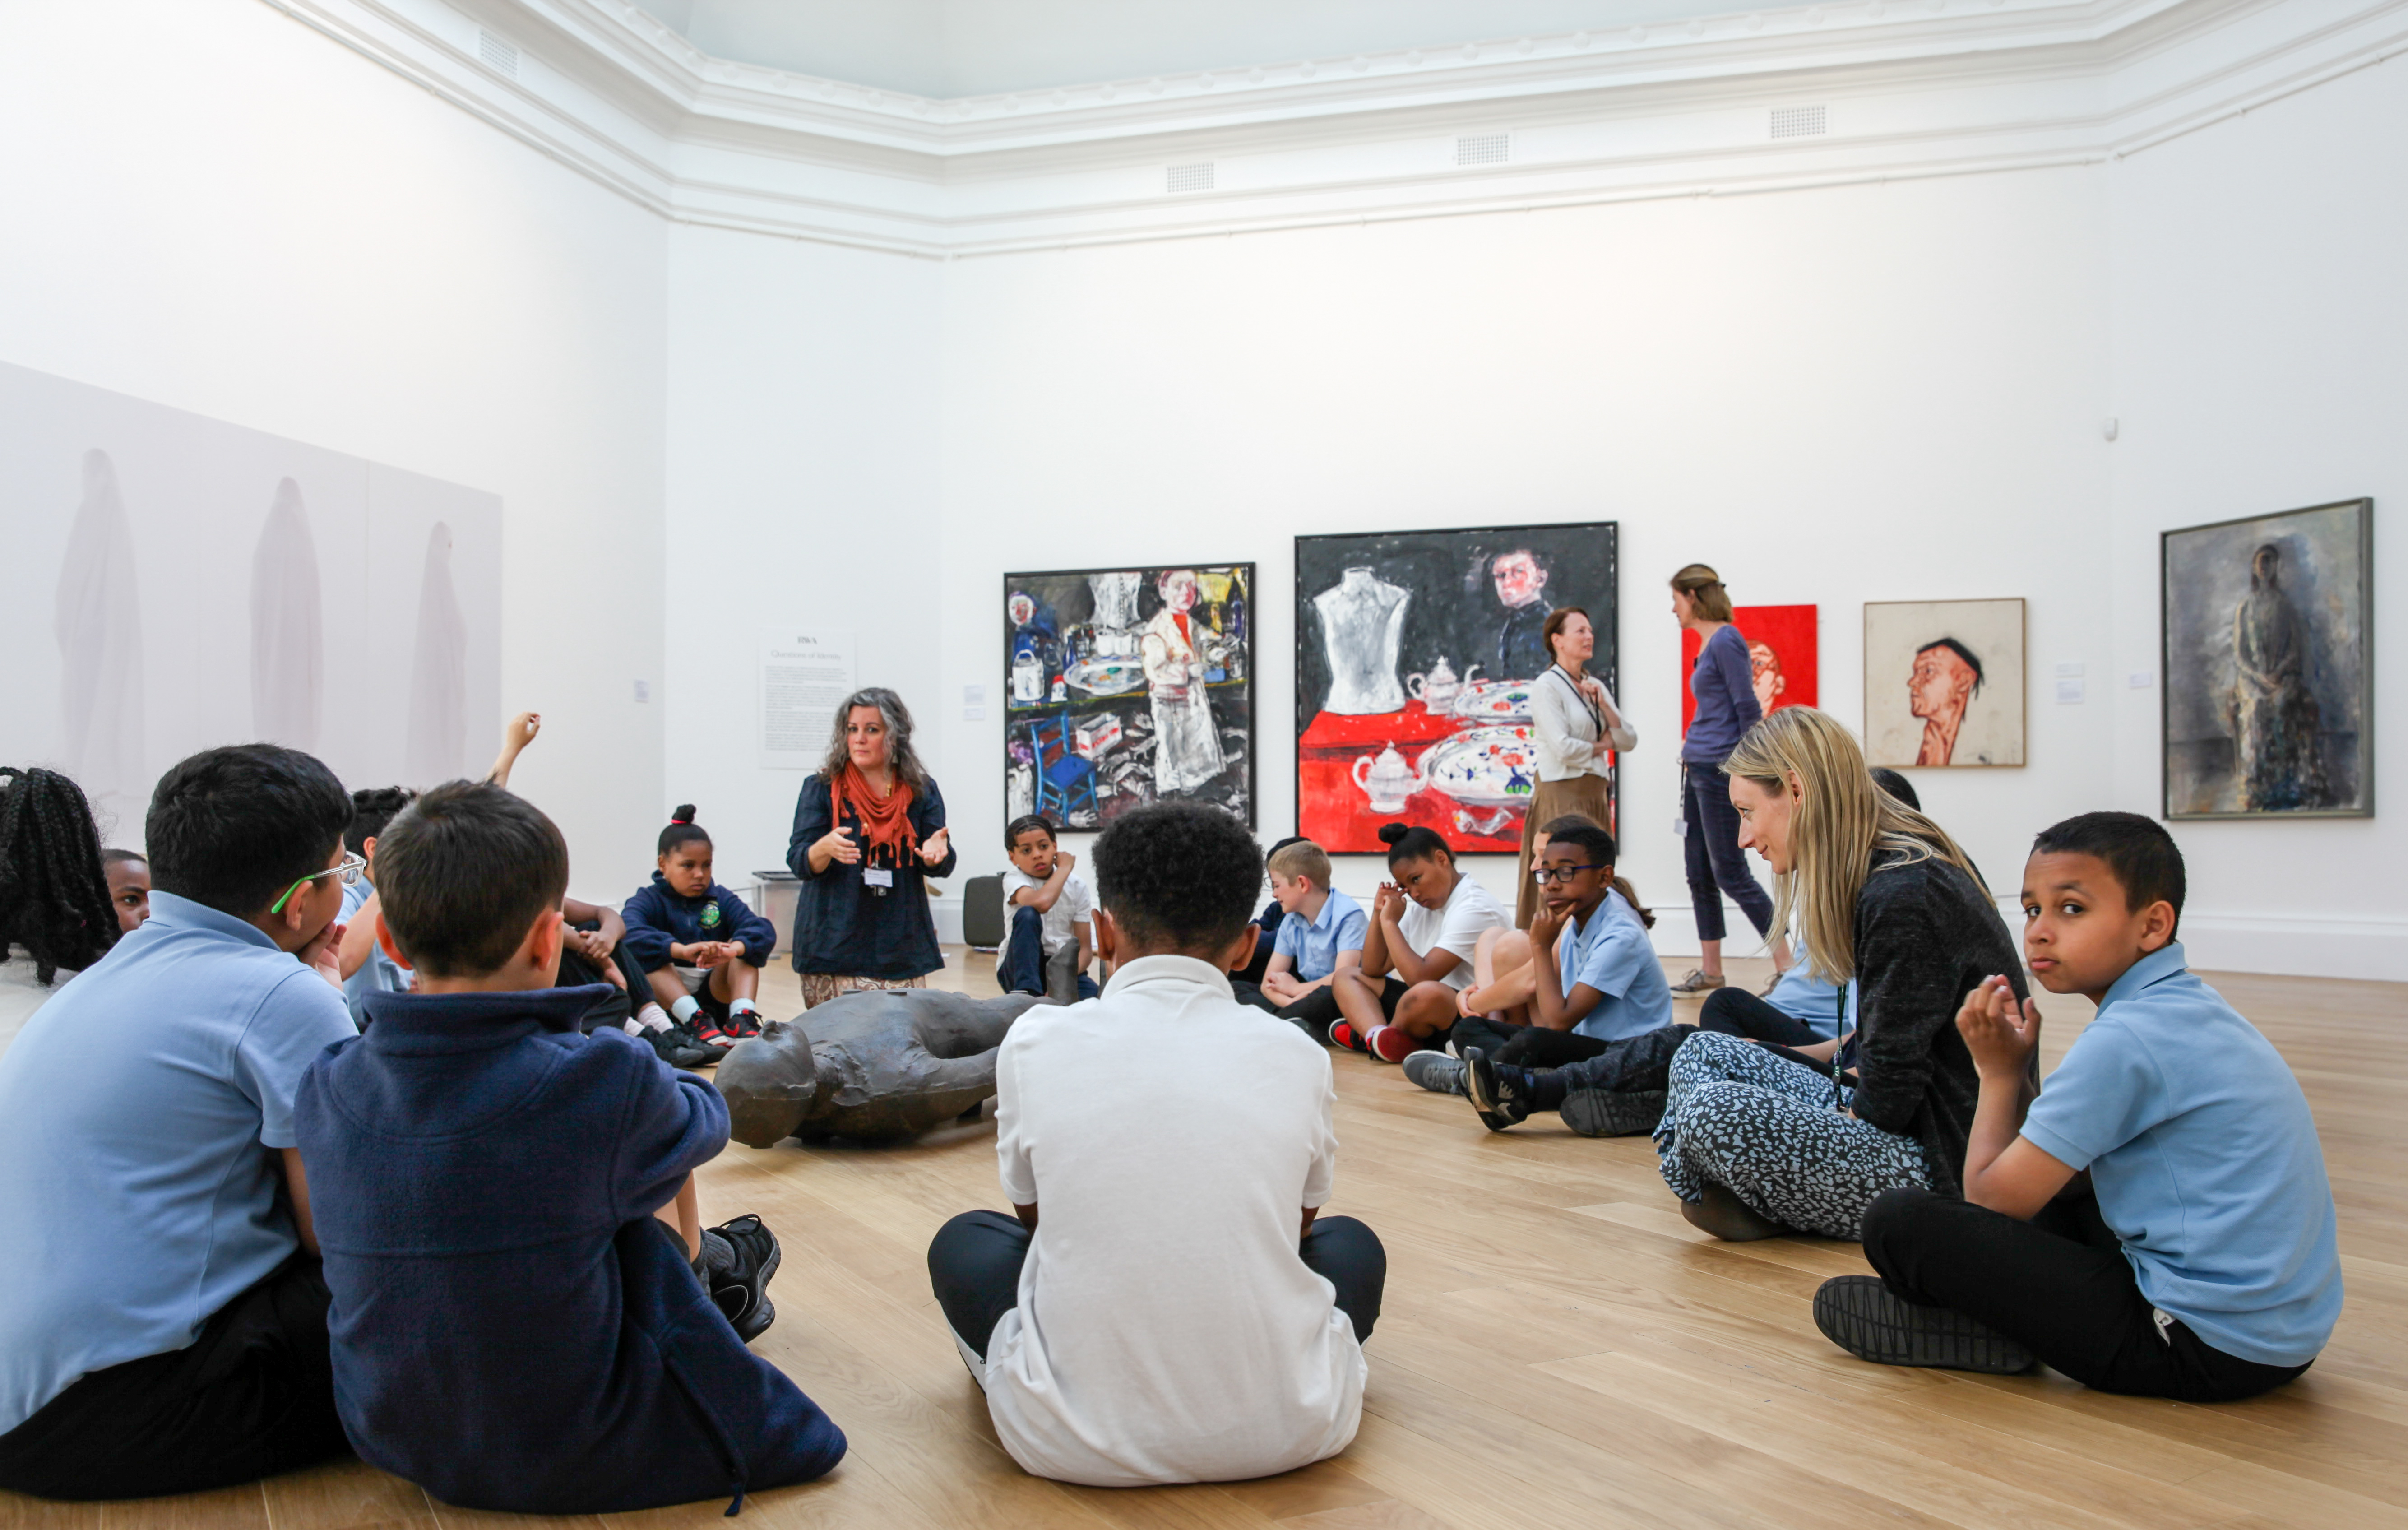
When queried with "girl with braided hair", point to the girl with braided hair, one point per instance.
{"points": [[55, 900]]}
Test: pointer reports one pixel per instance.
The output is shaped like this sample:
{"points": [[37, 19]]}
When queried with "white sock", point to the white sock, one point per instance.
{"points": [[651, 1017], [744, 1007], [685, 1010]]}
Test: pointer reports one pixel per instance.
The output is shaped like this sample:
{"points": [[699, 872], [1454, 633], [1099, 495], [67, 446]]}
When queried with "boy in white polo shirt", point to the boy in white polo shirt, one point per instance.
{"points": [[1047, 901], [1177, 1314], [2205, 1268]]}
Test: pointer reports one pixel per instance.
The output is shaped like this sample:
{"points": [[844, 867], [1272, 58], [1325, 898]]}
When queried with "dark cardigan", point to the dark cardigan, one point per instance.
{"points": [[512, 1328], [845, 927], [1927, 934]]}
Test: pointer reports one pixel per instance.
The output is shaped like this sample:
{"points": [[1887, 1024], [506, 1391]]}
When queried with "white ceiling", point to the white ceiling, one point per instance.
{"points": [[950, 48]]}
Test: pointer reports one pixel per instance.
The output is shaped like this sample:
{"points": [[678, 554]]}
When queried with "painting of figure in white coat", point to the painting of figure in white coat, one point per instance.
{"points": [[189, 582]]}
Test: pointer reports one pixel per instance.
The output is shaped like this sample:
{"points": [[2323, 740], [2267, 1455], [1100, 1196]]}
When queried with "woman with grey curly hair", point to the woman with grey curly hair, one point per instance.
{"points": [[869, 831]]}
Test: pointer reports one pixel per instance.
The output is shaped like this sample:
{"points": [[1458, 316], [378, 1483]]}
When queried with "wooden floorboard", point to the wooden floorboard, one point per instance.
{"points": [[1558, 1348]]}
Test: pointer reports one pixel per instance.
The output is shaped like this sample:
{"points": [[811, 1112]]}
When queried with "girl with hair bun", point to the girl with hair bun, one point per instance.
{"points": [[1426, 921], [700, 946]]}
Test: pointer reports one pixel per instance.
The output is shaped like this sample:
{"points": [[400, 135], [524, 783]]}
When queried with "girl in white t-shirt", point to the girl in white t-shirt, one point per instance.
{"points": [[1425, 923]]}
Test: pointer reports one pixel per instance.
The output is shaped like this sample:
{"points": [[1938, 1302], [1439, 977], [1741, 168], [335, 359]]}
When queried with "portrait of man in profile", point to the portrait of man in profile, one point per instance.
{"points": [[1945, 678]]}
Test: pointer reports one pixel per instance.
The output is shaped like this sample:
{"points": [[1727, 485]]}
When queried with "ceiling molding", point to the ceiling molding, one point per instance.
{"points": [[1912, 88]]}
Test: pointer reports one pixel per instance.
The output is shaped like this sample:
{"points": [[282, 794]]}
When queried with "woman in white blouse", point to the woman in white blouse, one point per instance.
{"points": [[1575, 725]]}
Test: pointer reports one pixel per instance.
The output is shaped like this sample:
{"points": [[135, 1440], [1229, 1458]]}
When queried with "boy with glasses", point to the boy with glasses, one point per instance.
{"points": [[162, 1318]]}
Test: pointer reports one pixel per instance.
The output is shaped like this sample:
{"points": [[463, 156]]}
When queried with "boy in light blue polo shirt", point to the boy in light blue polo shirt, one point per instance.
{"points": [[2202, 1266], [162, 1323], [1323, 931]]}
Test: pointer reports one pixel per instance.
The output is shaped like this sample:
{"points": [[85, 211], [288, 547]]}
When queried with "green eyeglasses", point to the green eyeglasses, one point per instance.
{"points": [[1543, 875], [349, 871]]}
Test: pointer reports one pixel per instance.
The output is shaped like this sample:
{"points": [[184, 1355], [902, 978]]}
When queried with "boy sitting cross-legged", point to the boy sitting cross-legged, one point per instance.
{"points": [[520, 1317], [1177, 1314], [1048, 903], [1321, 933], [2205, 1268]]}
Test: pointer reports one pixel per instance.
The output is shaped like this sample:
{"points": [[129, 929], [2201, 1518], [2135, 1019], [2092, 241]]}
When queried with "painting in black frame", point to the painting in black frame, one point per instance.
{"points": [[1123, 686], [2267, 660], [1413, 658]]}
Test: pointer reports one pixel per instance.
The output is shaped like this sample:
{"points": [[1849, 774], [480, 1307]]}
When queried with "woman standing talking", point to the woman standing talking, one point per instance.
{"points": [[1723, 683], [869, 831], [1576, 724]]}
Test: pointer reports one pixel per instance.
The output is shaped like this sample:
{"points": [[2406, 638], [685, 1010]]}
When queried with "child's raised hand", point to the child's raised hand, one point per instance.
{"points": [[520, 731], [932, 849], [2000, 1030], [1065, 863], [323, 955]]}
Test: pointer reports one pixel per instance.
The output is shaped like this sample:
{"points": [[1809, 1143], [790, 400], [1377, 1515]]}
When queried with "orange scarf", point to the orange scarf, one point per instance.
{"points": [[885, 822]]}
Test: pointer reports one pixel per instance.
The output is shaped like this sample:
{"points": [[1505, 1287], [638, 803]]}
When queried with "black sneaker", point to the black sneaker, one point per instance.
{"points": [[678, 1049], [1719, 1210], [1860, 1315], [710, 1034], [741, 1024], [737, 1269], [1498, 1104], [1605, 1112]]}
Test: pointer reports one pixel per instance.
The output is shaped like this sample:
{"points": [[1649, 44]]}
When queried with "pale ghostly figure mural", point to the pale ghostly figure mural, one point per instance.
{"points": [[438, 671], [98, 623], [288, 626]]}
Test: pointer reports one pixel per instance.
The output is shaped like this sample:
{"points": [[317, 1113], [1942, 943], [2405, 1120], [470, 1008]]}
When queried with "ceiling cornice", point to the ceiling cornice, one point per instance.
{"points": [[1916, 88]]}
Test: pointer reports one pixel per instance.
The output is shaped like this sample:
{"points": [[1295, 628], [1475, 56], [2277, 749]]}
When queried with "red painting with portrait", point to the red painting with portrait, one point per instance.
{"points": [[1781, 650]]}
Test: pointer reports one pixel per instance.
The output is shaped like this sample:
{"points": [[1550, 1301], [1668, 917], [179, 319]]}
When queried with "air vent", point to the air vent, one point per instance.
{"points": [[498, 55], [1483, 149], [1799, 122], [1191, 178]]}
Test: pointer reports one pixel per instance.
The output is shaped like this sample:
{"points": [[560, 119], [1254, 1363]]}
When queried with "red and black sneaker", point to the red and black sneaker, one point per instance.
{"points": [[708, 1032], [740, 1023], [1390, 1044], [1342, 1033]]}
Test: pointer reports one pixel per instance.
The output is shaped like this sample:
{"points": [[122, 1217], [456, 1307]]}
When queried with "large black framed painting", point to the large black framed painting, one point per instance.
{"points": [[1123, 686], [1415, 656], [2268, 660]]}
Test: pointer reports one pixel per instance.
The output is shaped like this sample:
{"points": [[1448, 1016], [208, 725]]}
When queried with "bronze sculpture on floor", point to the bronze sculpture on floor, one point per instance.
{"points": [[878, 1065]]}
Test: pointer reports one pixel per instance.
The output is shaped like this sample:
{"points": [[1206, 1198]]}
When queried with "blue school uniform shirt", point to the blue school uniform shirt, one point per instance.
{"points": [[2205, 1161], [512, 1329], [1312, 945], [1815, 1001], [656, 917], [140, 1109], [1612, 954]]}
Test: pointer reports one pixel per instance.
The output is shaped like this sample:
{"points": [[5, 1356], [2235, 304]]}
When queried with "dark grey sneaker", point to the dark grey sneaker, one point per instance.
{"points": [[1721, 1212], [1605, 1112], [1860, 1315], [1434, 1071], [738, 1258], [679, 1048], [1499, 1106]]}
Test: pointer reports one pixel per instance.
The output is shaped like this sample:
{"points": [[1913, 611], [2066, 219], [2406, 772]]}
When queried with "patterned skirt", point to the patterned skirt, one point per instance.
{"points": [[820, 987]]}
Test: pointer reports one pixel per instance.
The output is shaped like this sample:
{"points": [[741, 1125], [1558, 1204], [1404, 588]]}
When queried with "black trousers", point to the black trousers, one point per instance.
{"points": [[1314, 1013], [253, 1395], [1523, 1046], [1736, 1012], [2059, 1285], [974, 1264]]}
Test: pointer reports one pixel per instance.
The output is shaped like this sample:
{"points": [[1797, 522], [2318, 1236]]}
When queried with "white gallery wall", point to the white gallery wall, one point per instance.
{"points": [[214, 208], [1839, 394]]}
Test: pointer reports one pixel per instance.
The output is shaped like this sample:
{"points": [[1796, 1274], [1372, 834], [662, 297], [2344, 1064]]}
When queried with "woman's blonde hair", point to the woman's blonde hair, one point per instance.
{"points": [[1840, 821], [1704, 588]]}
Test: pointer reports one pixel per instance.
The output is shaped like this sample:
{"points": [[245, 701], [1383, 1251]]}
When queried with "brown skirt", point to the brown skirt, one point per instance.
{"points": [[820, 987], [1584, 793]]}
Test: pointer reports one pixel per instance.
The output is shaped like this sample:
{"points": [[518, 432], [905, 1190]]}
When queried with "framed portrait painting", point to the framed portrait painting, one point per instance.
{"points": [[2268, 664], [1781, 658], [1415, 656], [1125, 686], [1943, 683]]}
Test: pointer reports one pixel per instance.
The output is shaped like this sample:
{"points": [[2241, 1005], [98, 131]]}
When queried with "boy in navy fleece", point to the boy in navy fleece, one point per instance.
{"points": [[2198, 1262], [702, 948], [520, 1315]]}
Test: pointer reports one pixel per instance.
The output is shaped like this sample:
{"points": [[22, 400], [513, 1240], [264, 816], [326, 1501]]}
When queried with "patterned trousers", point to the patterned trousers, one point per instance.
{"points": [[1766, 1129], [820, 987]]}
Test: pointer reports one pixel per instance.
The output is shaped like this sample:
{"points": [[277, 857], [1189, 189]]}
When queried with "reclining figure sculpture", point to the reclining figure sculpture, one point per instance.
{"points": [[880, 1064]]}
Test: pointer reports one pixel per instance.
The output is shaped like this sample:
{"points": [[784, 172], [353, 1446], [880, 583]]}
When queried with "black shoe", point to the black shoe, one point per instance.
{"points": [[1605, 1112], [678, 1047], [1498, 1103], [1723, 1214], [739, 1276], [740, 1024], [1860, 1315]]}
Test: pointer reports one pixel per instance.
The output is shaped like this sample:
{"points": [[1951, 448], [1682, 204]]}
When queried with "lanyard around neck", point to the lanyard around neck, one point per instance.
{"points": [[1595, 713]]}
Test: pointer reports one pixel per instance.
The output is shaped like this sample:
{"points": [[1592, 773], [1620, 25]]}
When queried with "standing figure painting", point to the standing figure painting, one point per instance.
{"points": [[1943, 683], [2267, 704], [1125, 686], [1416, 651]]}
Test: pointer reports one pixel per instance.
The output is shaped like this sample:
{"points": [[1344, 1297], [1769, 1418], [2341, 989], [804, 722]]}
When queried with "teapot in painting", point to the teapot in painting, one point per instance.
{"points": [[1439, 686], [1027, 677], [1387, 781]]}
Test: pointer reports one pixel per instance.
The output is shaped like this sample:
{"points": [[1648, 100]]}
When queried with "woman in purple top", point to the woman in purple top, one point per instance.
{"points": [[1725, 686]]}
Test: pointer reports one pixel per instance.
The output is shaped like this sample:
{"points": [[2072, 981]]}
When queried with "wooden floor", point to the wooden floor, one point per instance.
{"points": [[1558, 1348]]}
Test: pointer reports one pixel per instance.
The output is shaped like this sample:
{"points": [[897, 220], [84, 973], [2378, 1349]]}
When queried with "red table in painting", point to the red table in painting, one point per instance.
{"points": [[1336, 814]]}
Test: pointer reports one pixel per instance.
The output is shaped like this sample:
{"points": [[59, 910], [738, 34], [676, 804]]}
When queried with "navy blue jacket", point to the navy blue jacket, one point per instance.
{"points": [[1723, 683], [512, 1328], [845, 927], [656, 917]]}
